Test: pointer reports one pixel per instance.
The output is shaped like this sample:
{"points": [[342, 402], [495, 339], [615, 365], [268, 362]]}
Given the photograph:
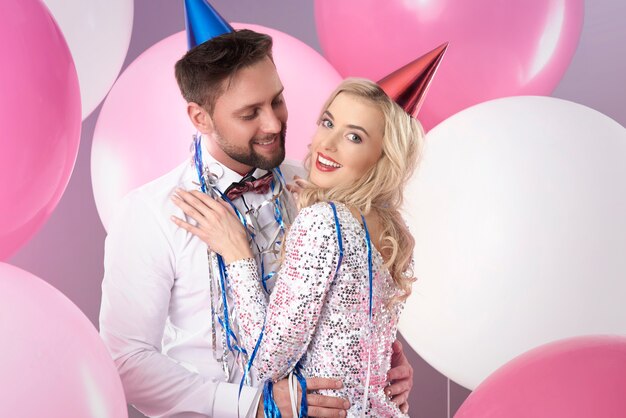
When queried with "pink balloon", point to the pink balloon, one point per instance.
{"points": [[40, 116], [53, 362], [497, 48], [579, 377], [143, 130]]}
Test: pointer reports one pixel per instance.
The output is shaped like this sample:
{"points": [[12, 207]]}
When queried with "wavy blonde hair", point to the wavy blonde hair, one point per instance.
{"points": [[381, 188]]}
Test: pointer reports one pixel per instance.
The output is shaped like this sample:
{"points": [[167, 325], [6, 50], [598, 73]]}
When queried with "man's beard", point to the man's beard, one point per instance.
{"points": [[249, 156]]}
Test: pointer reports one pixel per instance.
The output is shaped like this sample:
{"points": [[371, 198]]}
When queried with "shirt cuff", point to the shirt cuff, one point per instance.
{"points": [[227, 398]]}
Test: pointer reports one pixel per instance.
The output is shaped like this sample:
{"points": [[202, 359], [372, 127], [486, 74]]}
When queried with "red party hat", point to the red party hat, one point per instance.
{"points": [[408, 85]]}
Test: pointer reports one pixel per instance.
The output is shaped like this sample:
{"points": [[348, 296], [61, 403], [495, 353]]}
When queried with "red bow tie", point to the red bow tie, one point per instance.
{"points": [[249, 184]]}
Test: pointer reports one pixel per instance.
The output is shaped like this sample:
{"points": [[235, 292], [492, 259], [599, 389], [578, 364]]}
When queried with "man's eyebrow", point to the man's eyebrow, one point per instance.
{"points": [[258, 104]]}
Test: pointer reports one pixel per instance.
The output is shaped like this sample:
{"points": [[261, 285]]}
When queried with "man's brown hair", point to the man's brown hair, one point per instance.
{"points": [[201, 71]]}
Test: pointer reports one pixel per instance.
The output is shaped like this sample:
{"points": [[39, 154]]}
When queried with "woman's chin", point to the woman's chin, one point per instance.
{"points": [[320, 180]]}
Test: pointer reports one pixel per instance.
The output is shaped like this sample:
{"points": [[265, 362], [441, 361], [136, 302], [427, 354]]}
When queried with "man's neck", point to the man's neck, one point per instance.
{"points": [[222, 158]]}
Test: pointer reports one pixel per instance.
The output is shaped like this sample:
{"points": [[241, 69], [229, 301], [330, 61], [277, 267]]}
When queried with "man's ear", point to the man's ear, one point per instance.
{"points": [[200, 118]]}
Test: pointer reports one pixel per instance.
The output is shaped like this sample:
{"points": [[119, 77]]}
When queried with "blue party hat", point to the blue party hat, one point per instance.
{"points": [[203, 22]]}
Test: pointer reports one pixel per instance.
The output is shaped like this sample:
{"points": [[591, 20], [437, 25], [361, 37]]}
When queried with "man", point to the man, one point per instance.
{"points": [[158, 312]]}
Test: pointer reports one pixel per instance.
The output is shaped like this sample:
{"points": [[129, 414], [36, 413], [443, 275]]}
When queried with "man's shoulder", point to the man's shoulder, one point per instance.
{"points": [[291, 168], [153, 199], [159, 190]]}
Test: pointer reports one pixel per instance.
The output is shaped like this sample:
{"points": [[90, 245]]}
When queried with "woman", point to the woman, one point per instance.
{"points": [[346, 267]]}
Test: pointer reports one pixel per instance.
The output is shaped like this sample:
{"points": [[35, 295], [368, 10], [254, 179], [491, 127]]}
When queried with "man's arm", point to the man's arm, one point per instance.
{"points": [[319, 405], [400, 377], [136, 291]]}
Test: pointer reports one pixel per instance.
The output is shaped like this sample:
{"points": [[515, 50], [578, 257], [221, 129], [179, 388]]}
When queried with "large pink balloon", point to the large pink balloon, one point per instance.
{"points": [[40, 118], [143, 129], [575, 378], [53, 363], [497, 48]]}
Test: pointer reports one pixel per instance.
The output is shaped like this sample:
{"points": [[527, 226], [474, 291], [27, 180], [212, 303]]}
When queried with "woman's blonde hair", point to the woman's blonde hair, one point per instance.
{"points": [[381, 188]]}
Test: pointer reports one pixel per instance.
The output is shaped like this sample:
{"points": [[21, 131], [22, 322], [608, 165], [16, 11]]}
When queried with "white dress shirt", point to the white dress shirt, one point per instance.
{"points": [[155, 316]]}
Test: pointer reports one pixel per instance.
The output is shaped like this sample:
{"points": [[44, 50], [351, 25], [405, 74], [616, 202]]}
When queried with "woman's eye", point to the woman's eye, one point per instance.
{"points": [[327, 123], [355, 138]]}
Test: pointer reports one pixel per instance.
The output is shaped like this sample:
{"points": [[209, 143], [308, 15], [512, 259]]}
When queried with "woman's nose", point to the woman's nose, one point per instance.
{"points": [[329, 142]]}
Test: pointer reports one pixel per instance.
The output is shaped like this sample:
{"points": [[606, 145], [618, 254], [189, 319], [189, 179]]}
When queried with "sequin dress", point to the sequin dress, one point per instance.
{"points": [[321, 315]]}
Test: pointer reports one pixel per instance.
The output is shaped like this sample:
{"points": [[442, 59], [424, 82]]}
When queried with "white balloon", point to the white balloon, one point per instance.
{"points": [[98, 34], [518, 211]]}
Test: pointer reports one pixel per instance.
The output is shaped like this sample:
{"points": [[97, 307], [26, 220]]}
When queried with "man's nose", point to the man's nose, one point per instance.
{"points": [[271, 123]]}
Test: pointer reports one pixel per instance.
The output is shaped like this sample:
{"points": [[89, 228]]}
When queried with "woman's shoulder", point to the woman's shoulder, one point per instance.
{"points": [[318, 211], [314, 226], [318, 215]]}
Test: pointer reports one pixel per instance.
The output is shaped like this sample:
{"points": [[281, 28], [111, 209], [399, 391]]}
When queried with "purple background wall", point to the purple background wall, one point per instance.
{"points": [[68, 250]]}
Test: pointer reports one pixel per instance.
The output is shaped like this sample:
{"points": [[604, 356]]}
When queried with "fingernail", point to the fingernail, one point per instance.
{"points": [[346, 404], [342, 413], [338, 384]]}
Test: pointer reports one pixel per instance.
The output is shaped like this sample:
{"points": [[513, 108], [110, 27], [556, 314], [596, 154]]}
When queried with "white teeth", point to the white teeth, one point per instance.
{"points": [[265, 142], [327, 162]]}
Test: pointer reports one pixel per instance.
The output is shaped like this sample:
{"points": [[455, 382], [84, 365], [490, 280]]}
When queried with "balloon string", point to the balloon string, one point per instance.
{"points": [[448, 395]]}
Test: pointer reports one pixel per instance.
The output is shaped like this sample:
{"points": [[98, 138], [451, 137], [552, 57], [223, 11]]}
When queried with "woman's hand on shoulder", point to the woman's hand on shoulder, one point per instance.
{"points": [[296, 186], [217, 224]]}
